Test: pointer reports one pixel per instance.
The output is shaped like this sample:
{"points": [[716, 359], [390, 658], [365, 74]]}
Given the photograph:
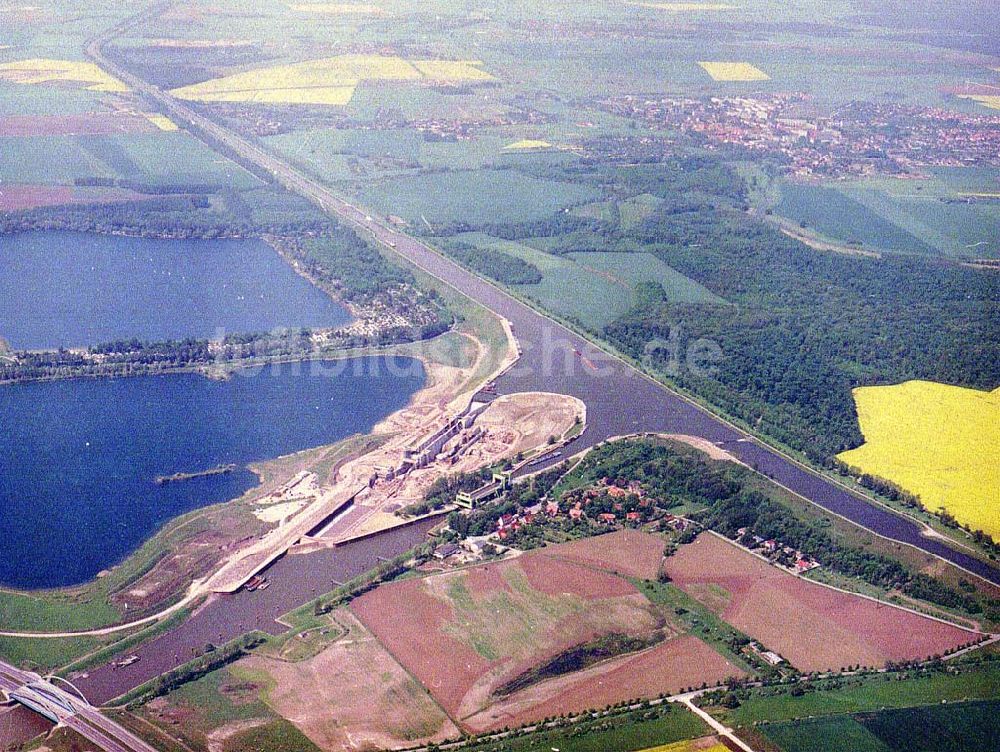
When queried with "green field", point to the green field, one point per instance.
{"points": [[627, 733], [838, 734], [865, 694], [960, 727], [593, 288], [834, 215], [476, 197], [138, 157], [942, 211]]}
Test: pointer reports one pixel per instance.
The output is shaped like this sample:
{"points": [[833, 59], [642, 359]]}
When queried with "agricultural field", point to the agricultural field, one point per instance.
{"points": [[938, 441], [952, 212], [833, 214], [636, 731], [329, 81], [351, 693], [60, 72], [729, 71], [476, 197], [506, 643], [594, 288], [863, 694], [707, 744], [14, 197], [225, 710], [813, 627], [959, 727]]}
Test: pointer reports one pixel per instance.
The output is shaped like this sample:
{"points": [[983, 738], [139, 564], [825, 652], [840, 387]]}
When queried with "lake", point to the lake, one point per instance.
{"points": [[70, 289], [79, 458]]}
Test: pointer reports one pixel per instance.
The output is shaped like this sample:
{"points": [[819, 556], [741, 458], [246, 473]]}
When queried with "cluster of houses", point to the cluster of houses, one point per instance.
{"points": [[776, 552], [611, 503], [856, 139], [605, 504]]}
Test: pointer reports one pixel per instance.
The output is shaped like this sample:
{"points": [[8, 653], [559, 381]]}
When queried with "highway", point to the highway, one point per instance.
{"points": [[68, 710], [620, 400]]}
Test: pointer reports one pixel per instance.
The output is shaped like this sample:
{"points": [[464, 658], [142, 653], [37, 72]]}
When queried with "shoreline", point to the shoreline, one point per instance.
{"points": [[435, 393]]}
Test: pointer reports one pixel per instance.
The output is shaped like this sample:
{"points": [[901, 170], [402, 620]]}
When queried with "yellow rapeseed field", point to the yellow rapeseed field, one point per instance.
{"points": [[326, 81], [733, 71], [42, 71], [691, 745], [161, 121], [989, 100], [528, 143], [940, 442]]}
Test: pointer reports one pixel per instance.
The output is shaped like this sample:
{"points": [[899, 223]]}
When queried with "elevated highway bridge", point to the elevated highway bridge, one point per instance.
{"points": [[58, 700]]}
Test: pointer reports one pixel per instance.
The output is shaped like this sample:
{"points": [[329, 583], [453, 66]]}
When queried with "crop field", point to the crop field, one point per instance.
{"points": [[635, 732], [813, 627], [475, 196], [629, 269], [835, 215], [353, 693], [527, 144], [594, 288], [706, 744], [938, 441], [60, 72], [466, 635], [730, 71], [329, 81], [629, 212], [992, 101], [50, 160], [628, 553], [90, 124], [866, 694], [14, 197], [955, 222], [959, 727], [670, 667]]}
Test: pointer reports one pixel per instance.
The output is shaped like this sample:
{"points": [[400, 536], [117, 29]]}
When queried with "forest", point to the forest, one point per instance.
{"points": [[802, 327]]}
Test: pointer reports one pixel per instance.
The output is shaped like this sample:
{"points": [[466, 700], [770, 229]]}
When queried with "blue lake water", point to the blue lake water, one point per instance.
{"points": [[79, 458], [69, 289]]}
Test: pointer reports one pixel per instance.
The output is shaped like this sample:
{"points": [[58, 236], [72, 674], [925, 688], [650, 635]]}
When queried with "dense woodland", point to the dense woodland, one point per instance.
{"points": [[502, 267], [803, 327]]}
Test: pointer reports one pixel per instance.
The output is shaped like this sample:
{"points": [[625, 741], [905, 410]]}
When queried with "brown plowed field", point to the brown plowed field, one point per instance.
{"points": [[465, 633], [18, 197], [631, 553], [812, 626], [353, 695], [88, 124], [670, 667]]}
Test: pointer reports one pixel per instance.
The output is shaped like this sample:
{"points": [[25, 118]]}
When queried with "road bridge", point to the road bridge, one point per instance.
{"points": [[62, 703]]}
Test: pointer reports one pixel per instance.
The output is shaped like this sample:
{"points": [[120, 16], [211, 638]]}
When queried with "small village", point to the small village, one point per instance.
{"points": [[609, 505]]}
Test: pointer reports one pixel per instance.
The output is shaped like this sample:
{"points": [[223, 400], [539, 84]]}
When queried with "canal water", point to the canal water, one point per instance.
{"points": [[79, 458], [70, 289]]}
